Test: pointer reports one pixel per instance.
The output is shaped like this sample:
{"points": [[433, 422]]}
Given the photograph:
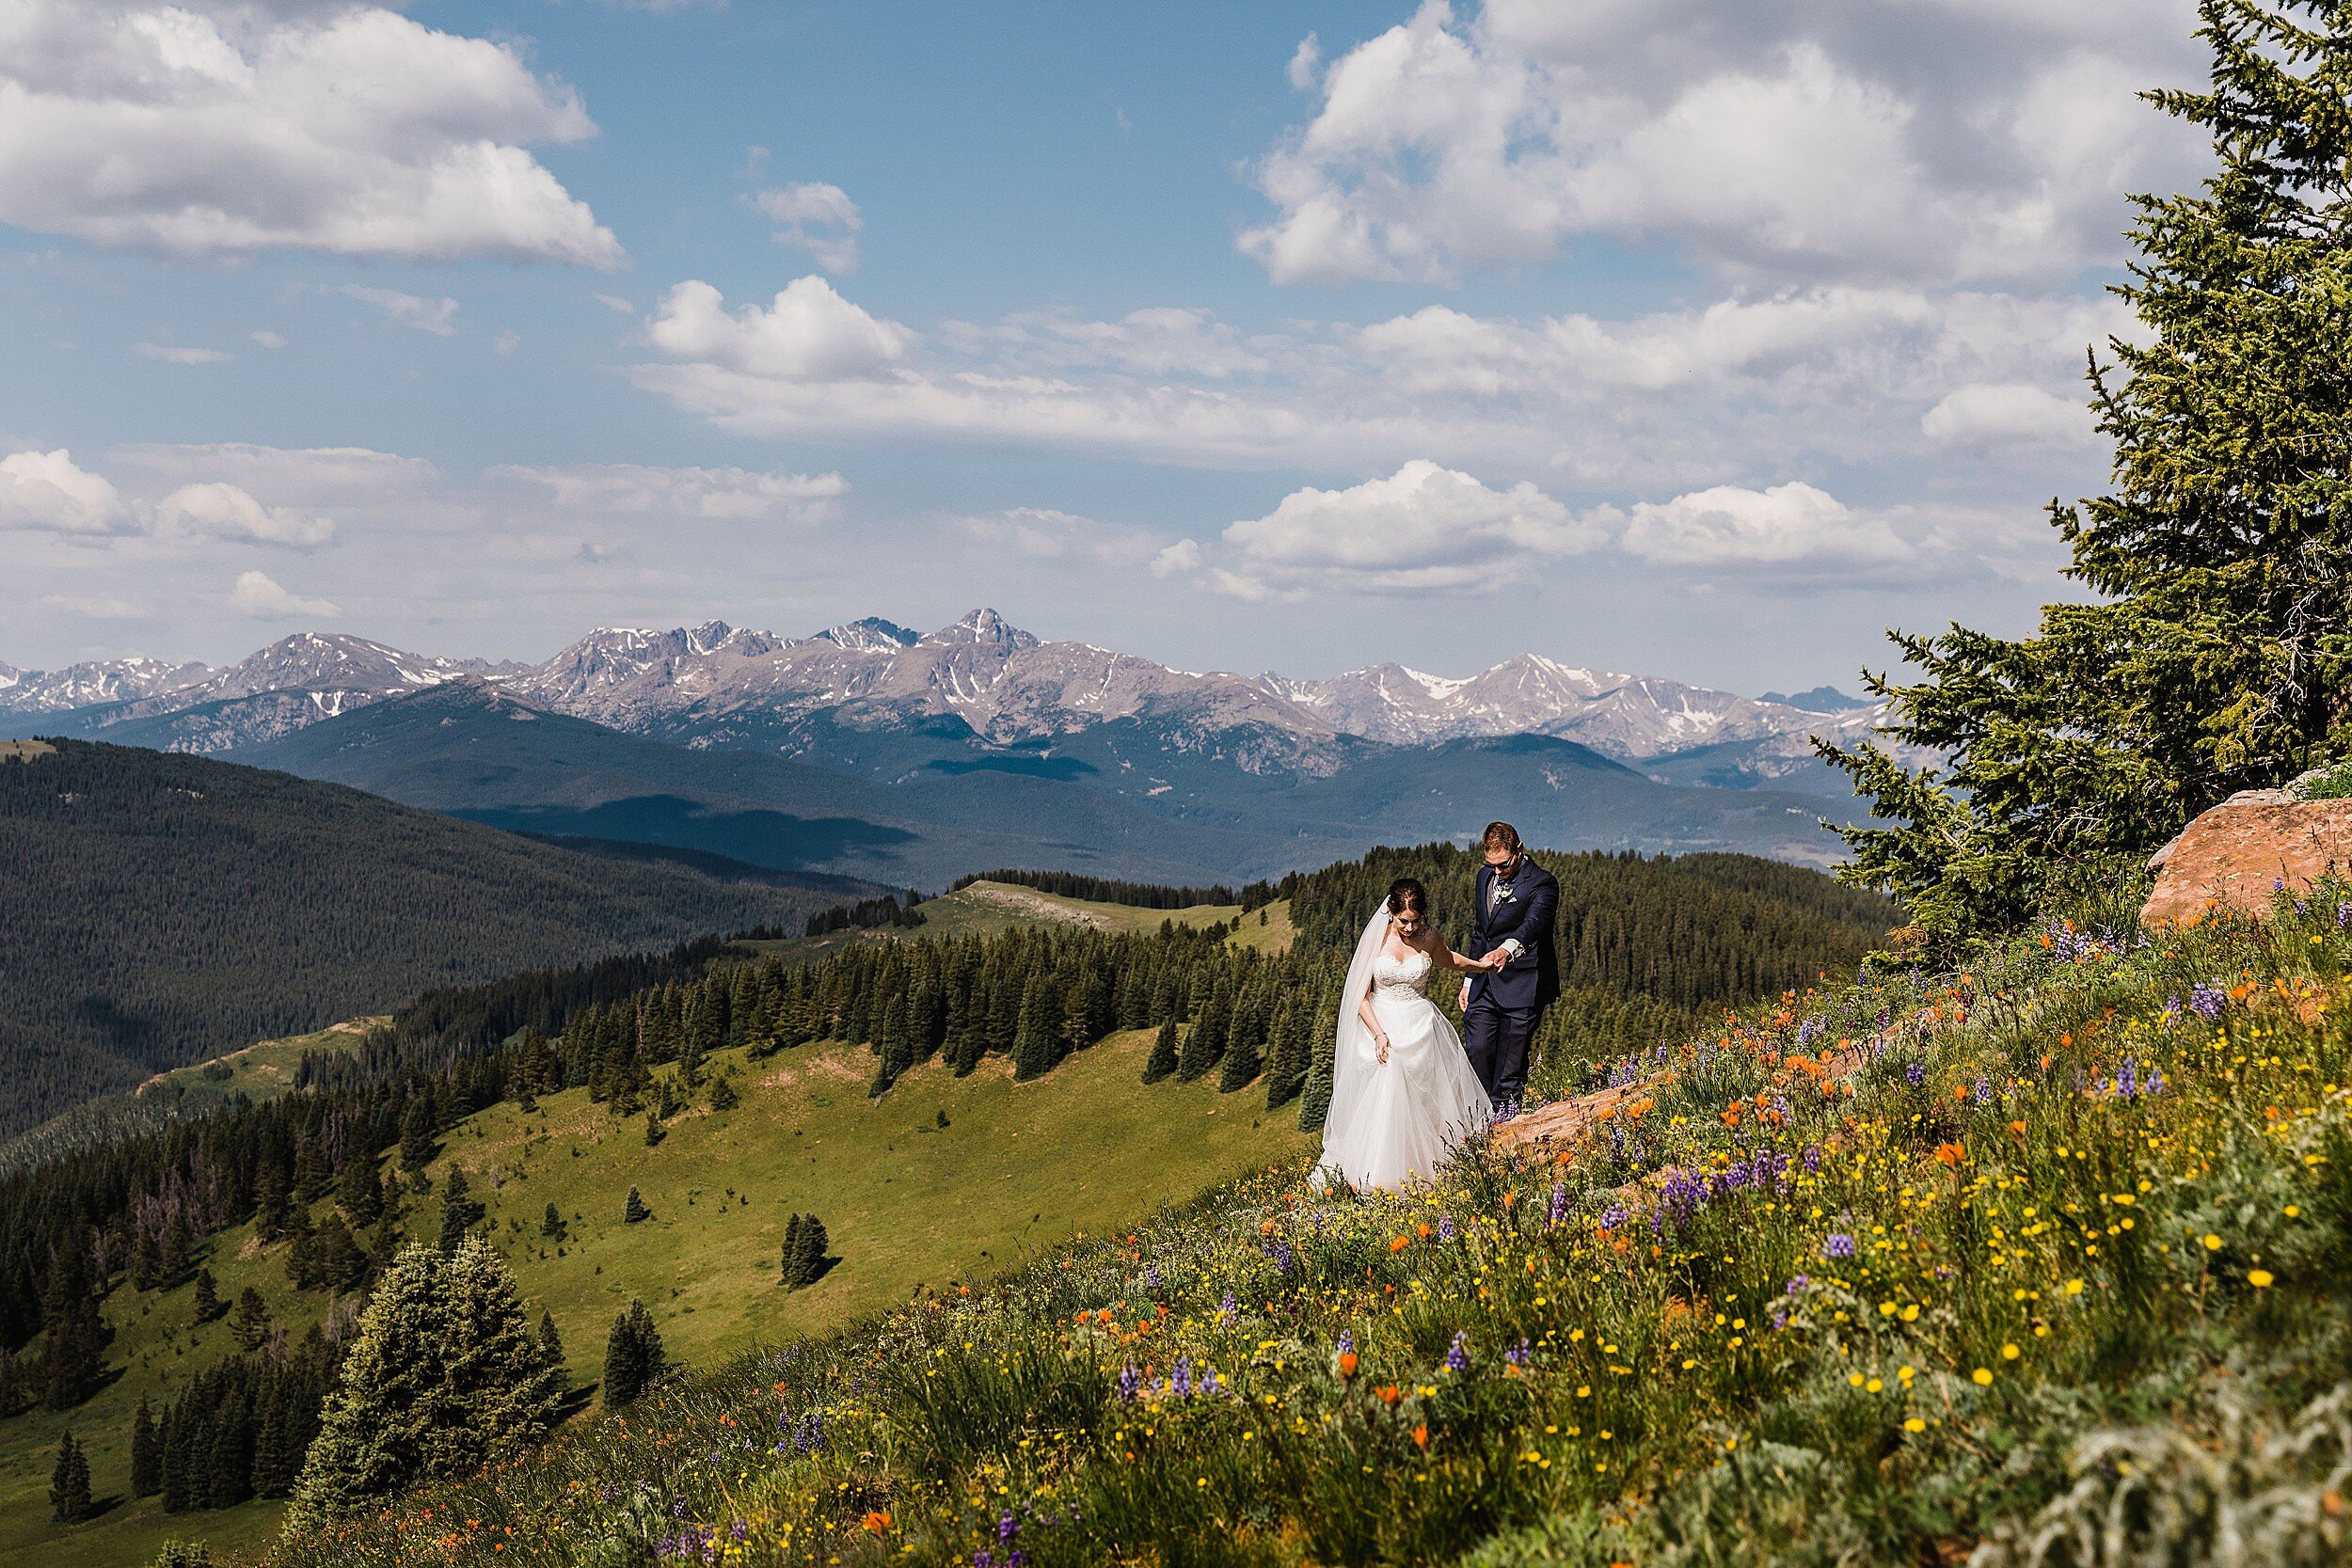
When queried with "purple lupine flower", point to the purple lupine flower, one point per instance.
{"points": [[2155, 1083], [1180, 1382], [1151, 1275], [1208, 1387], [1984, 1091], [1457, 1358], [738, 1531], [1347, 1340], [2172, 1011], [1798, 1282], [2127, 1080], [1445, 1228], [2277, 884], [1225, 1309], [1006, 1529], [1809, 1031], [1916, 1074], [1613, 1216], [1280, 1250], [1517, 1353], [1130, 1384], [2344, 914], [1837, 1244], [2207, 1000], [1812, 1160], [1558, 1214]]}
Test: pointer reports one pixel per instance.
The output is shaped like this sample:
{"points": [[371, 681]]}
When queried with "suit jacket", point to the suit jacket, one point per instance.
{"points": [[1532, 978]]}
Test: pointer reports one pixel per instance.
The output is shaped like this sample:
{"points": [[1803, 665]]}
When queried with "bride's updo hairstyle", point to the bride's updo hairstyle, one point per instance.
{"points": [[1406, 894]]}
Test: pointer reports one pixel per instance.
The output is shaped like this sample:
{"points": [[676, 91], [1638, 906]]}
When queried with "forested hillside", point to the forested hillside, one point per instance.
{"points": [[159, 909], [328, 1180]]}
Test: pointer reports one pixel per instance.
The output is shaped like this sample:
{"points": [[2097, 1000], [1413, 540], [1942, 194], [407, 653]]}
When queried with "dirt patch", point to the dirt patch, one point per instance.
{"points": [[1033, 906]]}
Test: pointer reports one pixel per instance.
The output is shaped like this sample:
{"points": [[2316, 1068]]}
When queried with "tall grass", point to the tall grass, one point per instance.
{"points": [[2082, 1219]]}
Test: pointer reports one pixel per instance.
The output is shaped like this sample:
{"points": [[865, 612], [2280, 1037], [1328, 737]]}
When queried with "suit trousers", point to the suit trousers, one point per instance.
{"points": [[1495, 1039]]}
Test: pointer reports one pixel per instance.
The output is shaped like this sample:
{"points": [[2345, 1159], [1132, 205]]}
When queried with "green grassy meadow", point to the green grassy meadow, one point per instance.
{"points": [[1017, 1170]]}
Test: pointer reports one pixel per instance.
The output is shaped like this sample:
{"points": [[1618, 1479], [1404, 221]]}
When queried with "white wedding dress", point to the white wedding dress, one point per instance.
{"points": [[1394, 1123]]}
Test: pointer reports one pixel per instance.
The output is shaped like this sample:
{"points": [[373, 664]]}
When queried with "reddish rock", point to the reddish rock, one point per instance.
{"points": [[2233, 856]]}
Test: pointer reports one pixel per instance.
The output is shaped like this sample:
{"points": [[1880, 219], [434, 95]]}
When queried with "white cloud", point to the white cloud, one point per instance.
{"points": [[1934, 142], [614, 302], [810, 334], [171, 355], [2008, 415], [1045, 533], [1306, 63], [732, 492], [99, 607], [258, 594], [47, 491], [224, 129], [217, 510], [436, 316], [1423, 528], [1787, 525], [269, 340], [303, 476], [817, 218]]}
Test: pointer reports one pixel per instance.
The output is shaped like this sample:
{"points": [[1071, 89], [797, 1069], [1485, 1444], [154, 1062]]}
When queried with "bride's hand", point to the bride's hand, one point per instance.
{"points": [[1383, 1056]]}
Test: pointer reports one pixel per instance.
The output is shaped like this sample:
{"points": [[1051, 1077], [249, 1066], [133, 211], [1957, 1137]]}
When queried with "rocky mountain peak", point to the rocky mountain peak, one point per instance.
{"points": [[984, 628], [871, 634]]}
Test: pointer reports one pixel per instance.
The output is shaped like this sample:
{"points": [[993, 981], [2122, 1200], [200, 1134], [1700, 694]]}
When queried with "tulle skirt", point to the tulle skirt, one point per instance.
{"points": [[1391, 1124]]}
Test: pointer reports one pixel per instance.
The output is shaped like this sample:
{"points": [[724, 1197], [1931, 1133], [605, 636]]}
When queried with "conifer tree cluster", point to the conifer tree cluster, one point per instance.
{"points": [[70, 1500], [235, 1431], [804, 1244], [444, 1375], [2215, 654], [633, 1356]]}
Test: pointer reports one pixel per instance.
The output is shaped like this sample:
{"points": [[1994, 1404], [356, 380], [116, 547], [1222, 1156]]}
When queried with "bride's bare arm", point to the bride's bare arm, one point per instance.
{"points": [[1448, 958], [1372, 1023]]}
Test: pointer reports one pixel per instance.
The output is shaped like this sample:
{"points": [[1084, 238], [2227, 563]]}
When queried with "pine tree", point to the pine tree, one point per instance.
{"points": [[443, 1375], [552, 1223], [1037, 1041], [71, 1360], [183, 1553], [1241, 1056], [68, 1483], [359, 1190], [416, 1142], [633, 1356], [634, 1209], [1287, 1057], [147, 1452], [655, 1132], [341, 1265], [1314, 1102], [549, 1340], [724, 1096], [1163, 1058], [2216, 654], [458, 1209], [1205, 1044], [208, 1303], [250, 1326], [804, 1244]]}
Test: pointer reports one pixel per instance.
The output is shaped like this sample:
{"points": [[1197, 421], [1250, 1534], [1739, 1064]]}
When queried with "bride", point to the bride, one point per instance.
{"points": [[1403, 1094]]}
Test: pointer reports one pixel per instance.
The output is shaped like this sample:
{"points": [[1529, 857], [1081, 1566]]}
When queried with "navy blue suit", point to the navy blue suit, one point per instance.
{"points": [[1505, 1006]]}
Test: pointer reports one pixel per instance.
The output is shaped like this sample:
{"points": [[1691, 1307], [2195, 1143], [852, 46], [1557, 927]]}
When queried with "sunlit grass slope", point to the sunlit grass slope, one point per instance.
{"points": [[2061, 1270], [1016, 1169]]}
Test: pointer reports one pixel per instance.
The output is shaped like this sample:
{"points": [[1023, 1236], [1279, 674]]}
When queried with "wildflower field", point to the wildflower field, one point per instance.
{"points": [[2046, 1258]]}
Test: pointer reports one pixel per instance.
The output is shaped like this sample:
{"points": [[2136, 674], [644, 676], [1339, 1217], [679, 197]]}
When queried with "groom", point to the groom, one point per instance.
{"points": [[1501, 1008]]}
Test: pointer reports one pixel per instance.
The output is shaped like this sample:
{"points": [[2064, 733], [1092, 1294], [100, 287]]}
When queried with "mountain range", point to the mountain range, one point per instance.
{"points": [[721, 684], [871, 751]]}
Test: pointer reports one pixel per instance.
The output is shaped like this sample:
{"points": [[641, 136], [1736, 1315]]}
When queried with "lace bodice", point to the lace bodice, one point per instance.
{"points": [[1410, 973]]}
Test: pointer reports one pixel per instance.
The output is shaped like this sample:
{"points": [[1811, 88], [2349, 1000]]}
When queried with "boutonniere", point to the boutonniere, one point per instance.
{"points": [[1502, 892]]}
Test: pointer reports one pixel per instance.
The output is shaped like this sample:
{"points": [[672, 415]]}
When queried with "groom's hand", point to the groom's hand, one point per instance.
{"points": [[1466, 993]]}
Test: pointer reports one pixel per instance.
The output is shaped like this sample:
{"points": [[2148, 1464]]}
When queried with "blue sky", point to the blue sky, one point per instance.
{"points": [[1687, 338]]}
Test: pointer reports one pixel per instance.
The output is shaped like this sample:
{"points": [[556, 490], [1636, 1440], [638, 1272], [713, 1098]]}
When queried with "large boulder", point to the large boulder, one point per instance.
{"points": [[2237, 854]]}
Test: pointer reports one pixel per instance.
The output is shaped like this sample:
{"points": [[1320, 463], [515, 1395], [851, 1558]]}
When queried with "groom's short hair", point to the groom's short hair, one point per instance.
{"points": [[1501, 836]]}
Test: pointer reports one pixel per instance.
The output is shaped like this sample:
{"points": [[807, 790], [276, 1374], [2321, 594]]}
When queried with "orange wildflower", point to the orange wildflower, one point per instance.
{"points": [[1390, 1393], [1348, 1363]]}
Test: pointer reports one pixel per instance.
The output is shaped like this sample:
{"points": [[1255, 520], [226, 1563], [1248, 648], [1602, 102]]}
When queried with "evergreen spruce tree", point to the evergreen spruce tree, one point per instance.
{"points": [[1163, 1058], [1241, 1059], [459, 1211], [1037, 1040], [1314, 1101], [1287, 1055], [633, 1356], [804, 1244], [443, 1375], [147, 1452], [341, 1264], [791, 1264], [552, 1223], [72, 1359], [249, 1325], [655, 1132], [359, 1190], [208, 1304], [1205, 1044], [634, 1209], [724, 1096], [68, 1483], [418, 1143], [183, 1553], [2216, 654], [549, 1340]]}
